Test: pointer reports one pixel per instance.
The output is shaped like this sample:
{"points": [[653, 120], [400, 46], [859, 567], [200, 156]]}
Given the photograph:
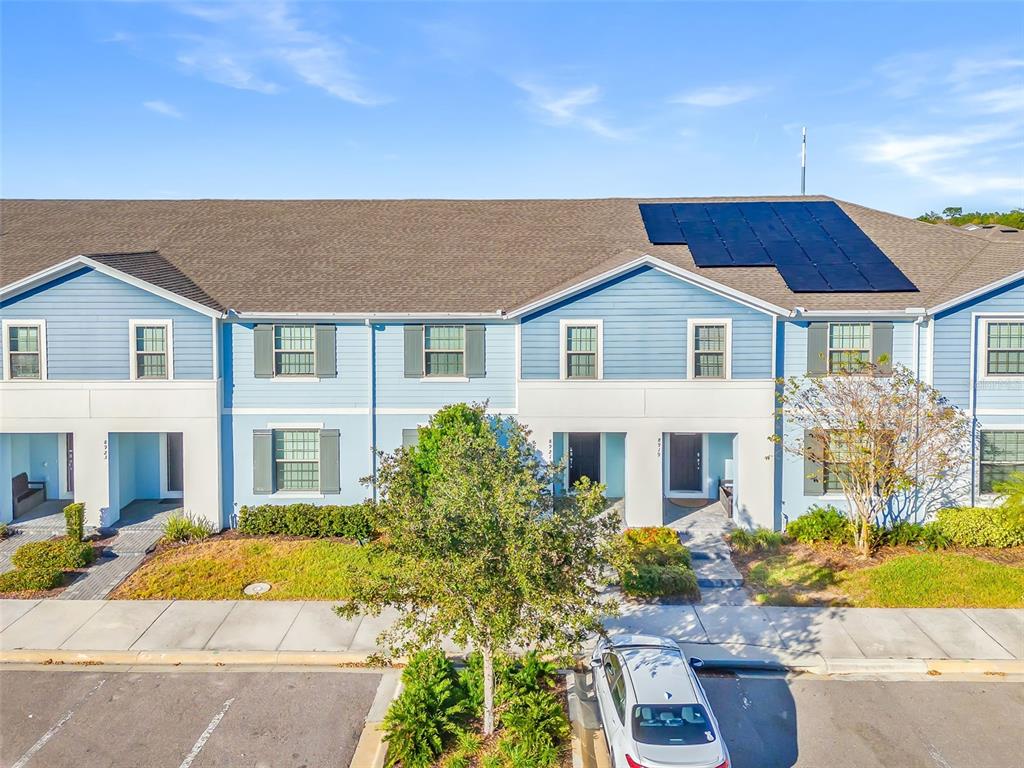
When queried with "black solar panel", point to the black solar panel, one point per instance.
{"points": [[815, 246]]}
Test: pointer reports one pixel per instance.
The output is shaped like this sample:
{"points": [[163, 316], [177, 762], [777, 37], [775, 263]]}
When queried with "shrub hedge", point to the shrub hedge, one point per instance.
{"points": [[1001, 526], [652, 562], [63, 554], [821, 523], [760, 539], [354, 521], [74, 520], [32, 579], [186, 527]]}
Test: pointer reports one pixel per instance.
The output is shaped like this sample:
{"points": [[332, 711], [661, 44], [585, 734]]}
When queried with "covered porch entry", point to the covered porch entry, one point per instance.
{"points": [[36, 474], [145, 476]]}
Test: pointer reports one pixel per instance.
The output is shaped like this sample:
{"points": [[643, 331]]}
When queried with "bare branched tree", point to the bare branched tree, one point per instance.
{"points": [[894, 446]]}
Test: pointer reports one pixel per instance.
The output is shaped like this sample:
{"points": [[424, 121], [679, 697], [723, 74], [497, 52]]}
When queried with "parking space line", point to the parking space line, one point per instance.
{"points": [[205, 735], [54, 729]]}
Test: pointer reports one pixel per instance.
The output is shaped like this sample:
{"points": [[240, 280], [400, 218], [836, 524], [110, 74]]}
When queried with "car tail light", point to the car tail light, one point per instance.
{"points": [[725, 764], [632, 763]]}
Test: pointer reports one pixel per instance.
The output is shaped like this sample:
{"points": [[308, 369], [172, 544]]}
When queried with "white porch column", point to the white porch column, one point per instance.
{"points": [[92, 472], [644, 498], [754, 503], [201, 469]]}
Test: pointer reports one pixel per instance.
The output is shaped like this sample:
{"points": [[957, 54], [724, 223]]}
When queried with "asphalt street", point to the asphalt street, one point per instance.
{"points": [[769, 721], [182, 718]]}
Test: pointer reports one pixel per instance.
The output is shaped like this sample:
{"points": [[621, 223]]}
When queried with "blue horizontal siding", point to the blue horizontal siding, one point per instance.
{"points": [[498, 386], [952, 355], [644, 315], [349, 389], [794, 341], [87, 316]]}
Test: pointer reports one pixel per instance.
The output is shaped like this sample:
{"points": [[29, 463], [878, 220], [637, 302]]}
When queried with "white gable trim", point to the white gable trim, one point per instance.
{"points": [[976, 293], [78, 262], [669, 269]]}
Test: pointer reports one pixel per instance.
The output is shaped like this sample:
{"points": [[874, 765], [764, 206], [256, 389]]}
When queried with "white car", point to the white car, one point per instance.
{"points": [[653, 709]]}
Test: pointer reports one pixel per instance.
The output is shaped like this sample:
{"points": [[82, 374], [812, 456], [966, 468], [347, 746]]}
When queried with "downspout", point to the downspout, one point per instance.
{"points": [[972, 401], [371, 402], [918, 327]]}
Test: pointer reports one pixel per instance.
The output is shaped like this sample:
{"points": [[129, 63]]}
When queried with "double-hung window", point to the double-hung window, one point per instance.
{"points": [[444, 350], [582, 350], [849, 347], [709, 341], [1004, 348], [837, 461], [1002, 453], [297, 459], [151, 349], [294, 350], [25, 350]]}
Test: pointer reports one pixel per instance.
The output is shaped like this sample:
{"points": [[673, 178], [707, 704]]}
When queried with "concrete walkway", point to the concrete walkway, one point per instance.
{"points": [[703, 532], [714, 631]]}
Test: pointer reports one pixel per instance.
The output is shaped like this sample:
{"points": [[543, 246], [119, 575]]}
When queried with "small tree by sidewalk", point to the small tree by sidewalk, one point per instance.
{"points": [[485, 554], [885, 441]]}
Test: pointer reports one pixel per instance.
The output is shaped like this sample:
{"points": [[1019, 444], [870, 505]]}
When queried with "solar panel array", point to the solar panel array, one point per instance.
{"points": [[815, 246]]}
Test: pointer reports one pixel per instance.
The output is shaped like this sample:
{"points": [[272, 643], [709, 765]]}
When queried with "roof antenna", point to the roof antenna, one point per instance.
{"points": [[803, 164]]}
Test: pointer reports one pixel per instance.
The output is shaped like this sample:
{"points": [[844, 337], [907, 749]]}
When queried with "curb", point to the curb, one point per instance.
{"points": [[371, 750]]}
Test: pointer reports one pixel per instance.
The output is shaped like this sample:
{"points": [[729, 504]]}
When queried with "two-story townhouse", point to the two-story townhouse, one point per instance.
{"points": [[245, 352]]}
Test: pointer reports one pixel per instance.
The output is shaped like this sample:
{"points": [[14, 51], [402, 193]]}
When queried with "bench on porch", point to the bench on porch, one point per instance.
{"points": [[27, 494]]}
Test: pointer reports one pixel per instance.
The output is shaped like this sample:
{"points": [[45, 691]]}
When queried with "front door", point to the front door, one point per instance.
{"points": [[175, 461], [584, 456], [69, 463], [685, 463]]}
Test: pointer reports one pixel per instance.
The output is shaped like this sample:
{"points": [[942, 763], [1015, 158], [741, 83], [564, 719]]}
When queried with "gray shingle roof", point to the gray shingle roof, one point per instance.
{"points": [[442, 255]]}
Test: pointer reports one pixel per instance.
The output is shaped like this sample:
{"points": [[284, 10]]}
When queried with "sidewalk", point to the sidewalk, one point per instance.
{"points": [[309, 632]]}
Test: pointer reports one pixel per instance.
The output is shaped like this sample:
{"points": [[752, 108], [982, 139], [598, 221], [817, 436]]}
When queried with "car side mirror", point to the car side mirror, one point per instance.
{"points": [[696, 663], [595, 663]]}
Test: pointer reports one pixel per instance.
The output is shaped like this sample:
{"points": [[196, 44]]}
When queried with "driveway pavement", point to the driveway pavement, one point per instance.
{"points": [[770, 721], [182, 717]]}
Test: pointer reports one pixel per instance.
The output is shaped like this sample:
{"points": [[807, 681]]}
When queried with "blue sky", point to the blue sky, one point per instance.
{"points": [[909, 107]]}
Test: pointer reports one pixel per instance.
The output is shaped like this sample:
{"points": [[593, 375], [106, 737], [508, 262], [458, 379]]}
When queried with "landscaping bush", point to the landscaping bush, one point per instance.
{"points": [[653, 545], [4, 531], [30, 579], [186, 527], [74, 520], [933, 536], [428, 713], [821, 524], [316, 521], [902, 534], [759, 539], [63, 554], [1001, 526], [660, 581], [652, 562]]}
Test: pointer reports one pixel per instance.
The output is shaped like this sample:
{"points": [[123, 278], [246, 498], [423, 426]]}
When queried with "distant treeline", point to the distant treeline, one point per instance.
{"points": [[957, 218]]}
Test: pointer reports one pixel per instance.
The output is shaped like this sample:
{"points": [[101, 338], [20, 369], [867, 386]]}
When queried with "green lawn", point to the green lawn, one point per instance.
{"points": [[921, 580], [219, 569]]}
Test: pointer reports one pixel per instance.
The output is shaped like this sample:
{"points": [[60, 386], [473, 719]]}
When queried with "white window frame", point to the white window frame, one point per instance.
{"points": [[296, 492], [274, 351], [829, 348], [691, 355], [984, 375], [448, 376], [563, 330], [4, 328], [168, 326], [987, 495]]}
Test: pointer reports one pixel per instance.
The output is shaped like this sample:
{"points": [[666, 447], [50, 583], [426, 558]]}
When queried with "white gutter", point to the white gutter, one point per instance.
{"points": [[369, 316]]}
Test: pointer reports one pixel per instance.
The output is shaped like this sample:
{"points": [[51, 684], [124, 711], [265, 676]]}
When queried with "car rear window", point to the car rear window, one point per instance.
{"points": [[671, 724]]}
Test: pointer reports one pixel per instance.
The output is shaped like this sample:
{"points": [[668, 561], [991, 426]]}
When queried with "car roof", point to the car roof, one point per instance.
{"points": [[659, 675]]}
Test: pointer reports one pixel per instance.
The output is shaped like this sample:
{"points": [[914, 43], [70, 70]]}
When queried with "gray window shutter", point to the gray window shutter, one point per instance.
{"points": [[817, 349], [476, 353], [263, 351], [413, 351], [814, 471], [262, 461], [330, 461], [326, 351], [881, 347], [410, 437]]}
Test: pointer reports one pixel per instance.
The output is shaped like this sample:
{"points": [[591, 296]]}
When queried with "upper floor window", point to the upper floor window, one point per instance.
{"points": [[1004, 348], [581, 350], [444, 350], [849, 347], [297, 459], [294, 350], [709, 342], [25, 356], [1002, 453], [151, 349]]}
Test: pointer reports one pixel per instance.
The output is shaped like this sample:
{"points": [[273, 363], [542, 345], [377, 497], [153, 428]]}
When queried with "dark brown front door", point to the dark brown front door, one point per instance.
{"points": [[684, 462], [175, 461], [584, 456], [69, 458]]}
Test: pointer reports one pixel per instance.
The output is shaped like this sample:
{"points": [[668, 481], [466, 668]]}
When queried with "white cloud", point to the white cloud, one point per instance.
{"points": [[254, 45], [162, 108], [958, 161], [999, 100], [966, 70], [567, 107], [717, 96]]}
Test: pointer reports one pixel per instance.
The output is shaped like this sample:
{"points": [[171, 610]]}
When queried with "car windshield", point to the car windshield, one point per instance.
{"points": [[671, 724]]}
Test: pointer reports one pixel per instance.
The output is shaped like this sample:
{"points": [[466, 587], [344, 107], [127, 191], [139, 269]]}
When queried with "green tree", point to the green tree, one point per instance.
{"points": [[952, 211], [485, 554]]}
